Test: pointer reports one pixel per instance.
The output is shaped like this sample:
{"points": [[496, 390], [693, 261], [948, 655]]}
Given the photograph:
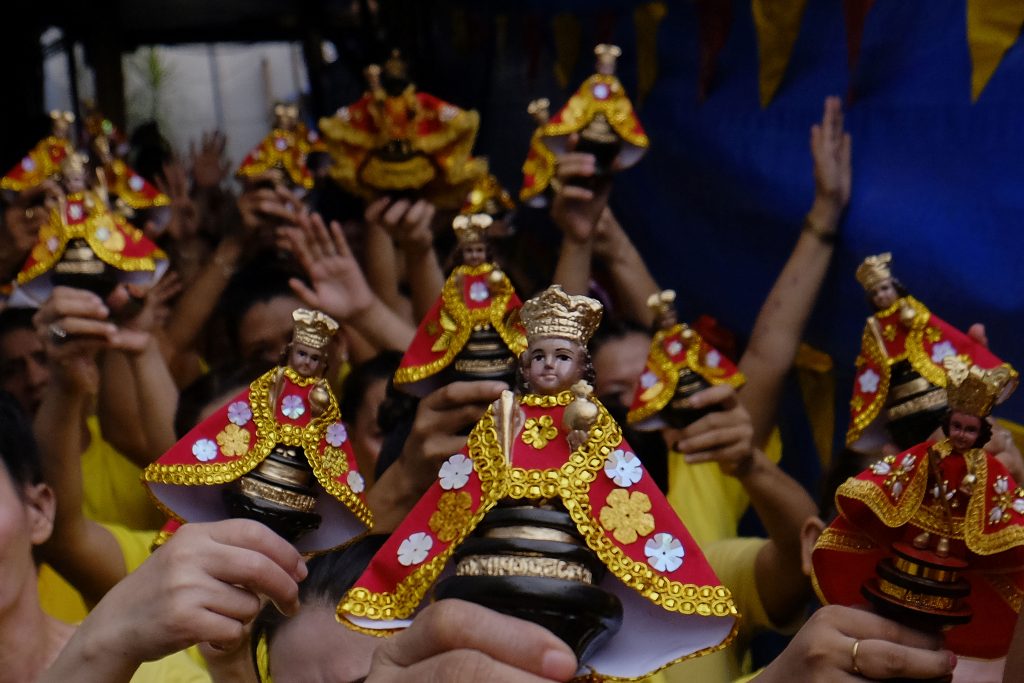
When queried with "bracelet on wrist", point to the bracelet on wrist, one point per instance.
{"points": [[826, 235]]}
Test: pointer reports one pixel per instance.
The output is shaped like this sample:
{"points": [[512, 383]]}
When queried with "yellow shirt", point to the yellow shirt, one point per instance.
{"points": [[175, 668], [111, 486], [709, 501]]}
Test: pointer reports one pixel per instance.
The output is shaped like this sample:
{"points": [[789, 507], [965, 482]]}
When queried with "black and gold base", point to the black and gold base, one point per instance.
{"points": [[678, 416], [530, 562], [916, 406], [279, 492], [81, 268], [484, 357]]}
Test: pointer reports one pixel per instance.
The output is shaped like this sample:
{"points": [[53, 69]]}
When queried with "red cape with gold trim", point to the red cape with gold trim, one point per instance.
{"points": [[113, 239], [286, 150], [599, 94], [674, 605], [440, 137], [925, 341], [42, 162], [538, 169], [134, 190], [187, 480], [467, 300], [671, 352], [894, 500]]}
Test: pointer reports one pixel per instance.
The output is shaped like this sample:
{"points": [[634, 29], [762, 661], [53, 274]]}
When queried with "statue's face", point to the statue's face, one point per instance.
{"points": [[963, 431], [552, 365], [884, 294], [474, 254], [306, 360]]}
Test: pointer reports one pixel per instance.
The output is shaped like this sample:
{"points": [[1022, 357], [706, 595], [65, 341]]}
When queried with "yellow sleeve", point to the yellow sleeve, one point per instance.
{"points": [[708, 501], [175, 668], [111, 486], [58, 598], [136, 546]]}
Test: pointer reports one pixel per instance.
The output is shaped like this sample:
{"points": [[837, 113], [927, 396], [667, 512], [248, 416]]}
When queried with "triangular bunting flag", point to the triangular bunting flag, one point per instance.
{"points": [[856, 12], [777, 23], [992, 27], [715, 19], [568, 35]]}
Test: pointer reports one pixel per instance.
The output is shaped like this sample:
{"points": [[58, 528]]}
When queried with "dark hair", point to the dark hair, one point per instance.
{"points": [[984, 430], [257, 282], [380, 367], [330, 576], [18, 445], [12, 319], [614, 328], [213, 384]]}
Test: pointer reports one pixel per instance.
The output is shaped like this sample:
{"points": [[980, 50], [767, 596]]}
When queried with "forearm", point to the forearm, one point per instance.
{"points": [[197, 303], [120, 411], [631, 279], [382, 327], [158, 398], [782, 504], [780, 324], [85, 659], [572, 271], [381, 266], [426, 280]]}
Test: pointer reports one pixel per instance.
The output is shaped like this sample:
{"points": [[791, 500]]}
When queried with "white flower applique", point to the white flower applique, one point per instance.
{"points": [[205, 450], [337, 434], [623, 467], [455, 471], [415, 549], [942, 350], [478, 292], [355, 482], [664, 552], [239, 413], [293, 407], [868, 381]]}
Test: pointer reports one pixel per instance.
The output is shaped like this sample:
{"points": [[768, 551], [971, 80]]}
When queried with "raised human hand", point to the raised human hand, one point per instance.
{"points": [[830, 149], [337, 284], [574, 209], [173, 182], [724, 436], [460, 642], [409, 223], [264, 208], [209, 166]]}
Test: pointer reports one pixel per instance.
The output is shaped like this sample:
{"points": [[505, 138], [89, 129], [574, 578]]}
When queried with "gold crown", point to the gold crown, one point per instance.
{"points": [[606, 57], [487, 197], [471, 228], [974, 391], [661, 302], [540, 110], [553, 313], [312, 328], [874, 271]]}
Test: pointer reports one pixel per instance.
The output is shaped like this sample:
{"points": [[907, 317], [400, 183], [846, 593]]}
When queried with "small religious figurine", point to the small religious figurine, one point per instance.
{"points": [[283, 153], [85, 244], [680, 364], [899, 368], [548, 515], [400, 142], [934, 536], [539, 167], [278, 452], [44, 160], [471, 332], [600, 113], [129, 192]]}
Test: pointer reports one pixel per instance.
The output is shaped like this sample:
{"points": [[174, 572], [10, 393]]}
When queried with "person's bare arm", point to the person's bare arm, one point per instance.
{"points": [[415, 236], [632, 281], [576, 211], [380, 262], [338, 286], [780, 323]]}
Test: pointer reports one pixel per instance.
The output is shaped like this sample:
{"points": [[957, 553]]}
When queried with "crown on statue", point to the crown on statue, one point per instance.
{"points": [[606, 57], [286, 114], [74, 162], [553, 313], [874, 271], [487, 197], [312, 328], [661, 302], [540, 110], [471, 228], [975, 391]]}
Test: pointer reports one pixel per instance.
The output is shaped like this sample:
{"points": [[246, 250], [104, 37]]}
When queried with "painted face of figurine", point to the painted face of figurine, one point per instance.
{"points": [[306, 360], [474, 254], [884, 294], [552, 365], [963, 431]]}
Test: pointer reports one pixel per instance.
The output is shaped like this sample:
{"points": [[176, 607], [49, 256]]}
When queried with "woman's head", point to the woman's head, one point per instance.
{"points": [[312, 645]]}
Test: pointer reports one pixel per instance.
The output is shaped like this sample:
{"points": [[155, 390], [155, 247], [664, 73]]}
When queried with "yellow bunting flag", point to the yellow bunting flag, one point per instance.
{"points": [[646, 18], [992, 27], [818, 391], [777, 23]]}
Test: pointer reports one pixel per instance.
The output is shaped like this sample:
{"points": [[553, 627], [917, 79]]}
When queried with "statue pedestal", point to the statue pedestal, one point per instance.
{"points": [[530, 562], [279, 492]]}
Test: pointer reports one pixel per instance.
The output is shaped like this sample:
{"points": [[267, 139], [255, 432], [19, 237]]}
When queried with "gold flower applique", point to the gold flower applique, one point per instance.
{"points": [[932, 334], [233, 441], [538, 431], [889, 332], [334, 462], [627, 515], [448, 330], [454, 510]]}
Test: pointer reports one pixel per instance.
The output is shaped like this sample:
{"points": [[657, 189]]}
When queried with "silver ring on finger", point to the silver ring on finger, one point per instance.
{"points": [[58, 335]]}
